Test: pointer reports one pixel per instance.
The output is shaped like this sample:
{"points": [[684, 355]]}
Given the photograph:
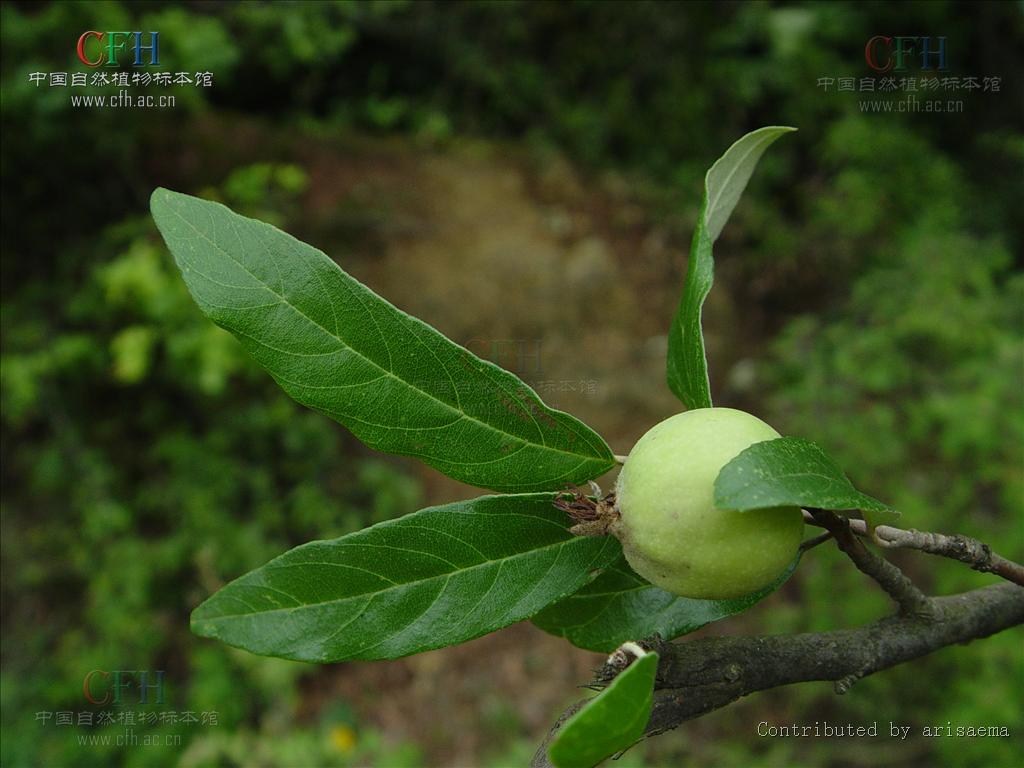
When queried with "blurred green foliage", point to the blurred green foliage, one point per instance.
{"points": [[137, 480], [145, 460]]}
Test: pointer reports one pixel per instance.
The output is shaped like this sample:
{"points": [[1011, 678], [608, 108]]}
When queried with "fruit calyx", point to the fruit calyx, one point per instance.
{"points": [[592, 514]]}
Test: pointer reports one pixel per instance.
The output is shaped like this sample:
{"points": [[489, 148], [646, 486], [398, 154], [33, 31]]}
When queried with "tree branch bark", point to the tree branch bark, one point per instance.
{"points": [[700, 676]]}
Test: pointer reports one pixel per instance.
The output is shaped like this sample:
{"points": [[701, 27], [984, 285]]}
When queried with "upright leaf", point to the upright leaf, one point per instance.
{"points": [[337, 347], [791, 471], [611, 721], [723, 185], [619, 605], [430, 579]]}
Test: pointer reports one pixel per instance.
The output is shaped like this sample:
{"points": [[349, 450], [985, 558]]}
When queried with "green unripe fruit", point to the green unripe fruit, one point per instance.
{"points": [[671, 532]]}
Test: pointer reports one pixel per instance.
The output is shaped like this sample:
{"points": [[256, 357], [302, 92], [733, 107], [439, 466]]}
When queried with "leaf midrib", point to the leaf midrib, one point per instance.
{"points": [[836, 488], [543, 445], [712, 204], [396, 586], [566, 629], [771, 137]]}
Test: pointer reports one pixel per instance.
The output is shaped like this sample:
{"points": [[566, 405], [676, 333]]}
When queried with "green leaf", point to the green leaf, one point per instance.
{"points": [[723, 185], [619, 605], [337, 347], [611, 721], [791, 471], [430, 579]]}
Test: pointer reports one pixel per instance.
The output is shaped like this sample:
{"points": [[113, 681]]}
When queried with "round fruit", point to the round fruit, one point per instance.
{"points": [[671, 532]]}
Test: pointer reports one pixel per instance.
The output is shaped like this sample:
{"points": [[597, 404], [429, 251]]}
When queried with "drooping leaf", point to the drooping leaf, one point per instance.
{"points": [[334, 345], [430, 579], [611, 721], [791, 471], [723, 185], [619, 605]]}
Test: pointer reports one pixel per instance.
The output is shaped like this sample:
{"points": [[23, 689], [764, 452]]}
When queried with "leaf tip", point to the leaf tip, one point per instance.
{"points": [[200, 623], [203, 629], [159, 195], [160, 204]]}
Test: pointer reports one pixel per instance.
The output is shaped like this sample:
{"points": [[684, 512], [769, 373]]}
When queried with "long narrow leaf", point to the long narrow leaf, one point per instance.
{"points": [[430, 579], [723, 185], [334, 345]]}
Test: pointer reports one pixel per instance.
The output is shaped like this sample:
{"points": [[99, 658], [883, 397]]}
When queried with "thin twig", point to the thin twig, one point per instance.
{"points": [[972, 552], [620, 459], [958, 547], [908, 597]]}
